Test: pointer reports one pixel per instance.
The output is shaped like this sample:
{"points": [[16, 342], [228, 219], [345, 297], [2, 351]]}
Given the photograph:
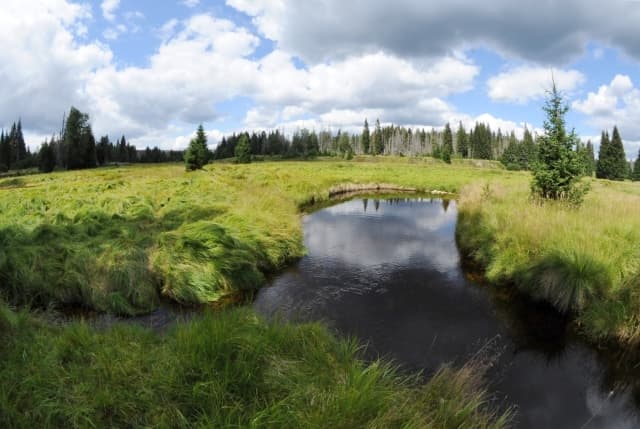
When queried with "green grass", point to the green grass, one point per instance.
{"points": [[228, 369], [119, 239], [585, 260]]}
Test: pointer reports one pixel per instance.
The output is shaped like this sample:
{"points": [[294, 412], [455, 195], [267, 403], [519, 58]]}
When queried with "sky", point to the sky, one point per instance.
{"points": [[155, 69]]}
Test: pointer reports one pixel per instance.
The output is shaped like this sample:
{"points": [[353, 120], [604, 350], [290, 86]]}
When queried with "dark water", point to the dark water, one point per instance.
{"points": [[389, 273]]}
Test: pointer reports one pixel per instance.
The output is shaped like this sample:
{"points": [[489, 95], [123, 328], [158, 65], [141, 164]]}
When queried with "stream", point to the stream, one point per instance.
{"points": [[387, 271]]}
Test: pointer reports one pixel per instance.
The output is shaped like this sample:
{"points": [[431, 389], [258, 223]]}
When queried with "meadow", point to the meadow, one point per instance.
{"points": [[584, 261], [120, 240]]}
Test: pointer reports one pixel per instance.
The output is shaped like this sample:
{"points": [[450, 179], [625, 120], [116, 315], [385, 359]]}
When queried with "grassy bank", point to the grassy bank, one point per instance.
{"points": [[227, 369], [585, 261], [117, 239]]}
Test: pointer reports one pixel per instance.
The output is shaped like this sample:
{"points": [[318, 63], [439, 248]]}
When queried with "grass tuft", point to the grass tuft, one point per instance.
{"points": [[229, 369]]}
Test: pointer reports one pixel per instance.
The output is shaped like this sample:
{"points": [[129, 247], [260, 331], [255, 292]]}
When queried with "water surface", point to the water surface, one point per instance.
{"points": [[389, 273]]}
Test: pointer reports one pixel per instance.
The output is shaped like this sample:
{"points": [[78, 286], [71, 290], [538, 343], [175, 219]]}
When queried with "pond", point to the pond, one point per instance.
{"points": [[387, 271]]}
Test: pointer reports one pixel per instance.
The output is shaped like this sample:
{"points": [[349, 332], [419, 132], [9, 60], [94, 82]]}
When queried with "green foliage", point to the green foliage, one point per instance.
{"points": [[447, 144], [635, 176], [78, 141], [480, 142], [366, 139], [197, 154], [344, 146], [377, 145], [243, 151], [568, 279], [520, 155], [118, 239], [612, 162], [559, 254], [558, 170], [587, 159], [462, 141], [47, 158], [229, 369]]}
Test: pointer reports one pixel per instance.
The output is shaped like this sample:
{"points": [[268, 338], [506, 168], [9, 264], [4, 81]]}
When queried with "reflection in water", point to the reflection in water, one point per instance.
{"points": [[389, 273]]}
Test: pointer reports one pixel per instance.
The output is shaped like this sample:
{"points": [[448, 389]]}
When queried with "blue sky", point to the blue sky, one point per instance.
{"points": [[154, 70]]}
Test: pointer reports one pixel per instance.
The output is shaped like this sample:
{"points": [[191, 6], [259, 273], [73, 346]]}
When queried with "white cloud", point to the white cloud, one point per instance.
{"points": [[48, 65], [109, 8], [397, 90], [203, 61], [330, 29], [526, 83], [188, 74], [617, 103]]}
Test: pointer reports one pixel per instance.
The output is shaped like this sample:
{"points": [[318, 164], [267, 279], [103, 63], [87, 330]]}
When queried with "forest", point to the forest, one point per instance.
{"points": [[74, 147]]}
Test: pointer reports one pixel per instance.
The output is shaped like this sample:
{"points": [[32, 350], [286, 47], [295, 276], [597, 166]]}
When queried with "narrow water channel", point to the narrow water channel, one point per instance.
{"points": [[389, 273]]}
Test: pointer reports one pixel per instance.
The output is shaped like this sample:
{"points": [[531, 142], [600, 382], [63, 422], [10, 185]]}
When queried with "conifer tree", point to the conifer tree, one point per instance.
{"points": [[586, 155], [78, 140], [19, 146], [619, 158], [603, 167], [103, 155], [366, 137], [5, 152], [635, 176], [377, 146], [47, 157], [512, 157], [529, 149], [447, 144], [558, 170], [462, 142], [243, 150], [197, 154], [612, 163], [480, 142]]}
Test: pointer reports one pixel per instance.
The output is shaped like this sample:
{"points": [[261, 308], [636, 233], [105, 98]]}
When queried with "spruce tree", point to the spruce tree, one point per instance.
{"points": [[78, 139], [89, 144], [462, 141], [5, 152], [529, 149], [197, 153], [512, 156], [377, 146], [619, 158], [19, 146], [480, 142], [47, 157], [243, 150], [366, 137], [447, 144], [103, 151], [635, 176], [587, 159], [558, 170], [604, 168]]}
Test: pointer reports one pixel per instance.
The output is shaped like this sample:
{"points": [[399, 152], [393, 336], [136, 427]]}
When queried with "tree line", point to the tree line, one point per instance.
{"points": [[75, 147], [14, 153], [479, 142]]}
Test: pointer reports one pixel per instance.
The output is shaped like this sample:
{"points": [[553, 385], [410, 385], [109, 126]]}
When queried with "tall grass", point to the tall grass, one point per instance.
{"points": [[582, 260], [118, 239], [229, 369]]}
